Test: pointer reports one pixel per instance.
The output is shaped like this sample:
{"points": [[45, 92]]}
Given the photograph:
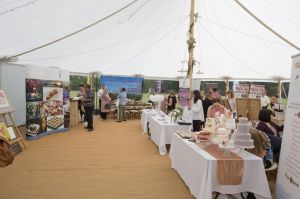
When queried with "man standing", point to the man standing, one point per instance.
{"points": [[265, 101], [88, 102], [122, 97], [99, 94]]}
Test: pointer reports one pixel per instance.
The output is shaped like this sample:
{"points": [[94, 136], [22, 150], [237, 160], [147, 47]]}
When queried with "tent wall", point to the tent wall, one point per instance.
{"points": [[12, 81]]}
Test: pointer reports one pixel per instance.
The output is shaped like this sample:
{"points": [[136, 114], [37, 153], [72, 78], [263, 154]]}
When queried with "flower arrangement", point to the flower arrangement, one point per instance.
{"points": [[176, 114]]}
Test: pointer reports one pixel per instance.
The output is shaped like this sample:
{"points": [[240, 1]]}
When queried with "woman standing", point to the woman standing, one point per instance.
{"points": [[196, 107], [105, 104], [171, 102], [216, 107], [231, 102]]}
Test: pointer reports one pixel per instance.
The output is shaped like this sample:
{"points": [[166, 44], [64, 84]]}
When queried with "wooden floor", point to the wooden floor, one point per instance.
{"points": [[115, 161]]}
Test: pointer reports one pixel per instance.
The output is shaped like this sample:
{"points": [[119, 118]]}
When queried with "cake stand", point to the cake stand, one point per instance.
{"points": [[226, 149]]}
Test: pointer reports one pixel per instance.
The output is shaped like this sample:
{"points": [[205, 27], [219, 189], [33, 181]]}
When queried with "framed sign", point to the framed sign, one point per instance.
{"points": [[3, 100]]}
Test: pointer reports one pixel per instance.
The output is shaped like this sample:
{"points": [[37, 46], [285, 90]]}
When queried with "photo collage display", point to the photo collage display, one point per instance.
{"points": [[47, 106]]}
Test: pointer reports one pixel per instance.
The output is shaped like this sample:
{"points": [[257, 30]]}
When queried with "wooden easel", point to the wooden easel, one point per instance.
{"points": [[19, 138]]}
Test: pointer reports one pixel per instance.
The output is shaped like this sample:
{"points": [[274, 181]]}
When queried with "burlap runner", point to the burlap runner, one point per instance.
{"points": [[229, 169]]}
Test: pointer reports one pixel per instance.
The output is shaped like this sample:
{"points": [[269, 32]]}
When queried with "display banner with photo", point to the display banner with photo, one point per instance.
{"points": [[209, 87], [184, 92], [255, 91], [47, 105], [241, 90], [114, 84], [288, 177]]}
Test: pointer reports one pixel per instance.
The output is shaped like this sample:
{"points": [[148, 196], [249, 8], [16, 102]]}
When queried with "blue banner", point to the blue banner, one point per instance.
{"points": [[114, 84]]}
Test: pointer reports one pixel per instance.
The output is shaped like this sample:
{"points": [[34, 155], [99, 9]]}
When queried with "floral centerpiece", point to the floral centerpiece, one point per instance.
{"points": [[156, 99], [176, 114]]}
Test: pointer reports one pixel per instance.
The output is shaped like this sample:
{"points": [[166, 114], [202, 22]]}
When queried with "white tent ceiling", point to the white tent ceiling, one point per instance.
{"points": [[150, 36]]}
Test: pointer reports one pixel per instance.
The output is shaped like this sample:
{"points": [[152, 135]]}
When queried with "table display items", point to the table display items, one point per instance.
{"points": [[210, 125], [242, 137], [156, 99], [279, 110], [176, 114]]}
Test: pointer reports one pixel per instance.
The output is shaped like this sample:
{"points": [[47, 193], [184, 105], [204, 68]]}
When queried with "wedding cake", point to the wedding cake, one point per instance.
{"points": [[242, 137]]}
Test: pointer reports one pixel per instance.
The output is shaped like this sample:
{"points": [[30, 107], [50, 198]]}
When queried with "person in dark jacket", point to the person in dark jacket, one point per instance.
{"points": [[171, 102], [271, 129], [207, 102], [88, 102]]}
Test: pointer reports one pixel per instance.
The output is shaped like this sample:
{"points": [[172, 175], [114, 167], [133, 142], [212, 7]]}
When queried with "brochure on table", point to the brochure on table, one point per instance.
{"points": [[47, 101], [288, 177]]}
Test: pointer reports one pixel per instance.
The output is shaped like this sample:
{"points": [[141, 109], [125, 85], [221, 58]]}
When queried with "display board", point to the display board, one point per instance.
{"points": [[184, 92], [241, 90], [47, 104], [255, 90], [288, 177], [246, 107], [133, 85]]}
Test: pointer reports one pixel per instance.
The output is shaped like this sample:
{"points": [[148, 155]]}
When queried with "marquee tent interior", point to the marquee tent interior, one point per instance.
{"points": [[149, 37]]}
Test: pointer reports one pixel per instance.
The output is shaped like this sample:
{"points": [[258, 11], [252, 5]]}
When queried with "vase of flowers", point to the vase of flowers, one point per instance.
{"points": [[176, 114]]}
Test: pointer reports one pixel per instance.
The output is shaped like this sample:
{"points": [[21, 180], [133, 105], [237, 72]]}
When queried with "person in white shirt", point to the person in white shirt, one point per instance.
{"points": [[265, 101], [231, 102], [196, 108], [99, 94]]}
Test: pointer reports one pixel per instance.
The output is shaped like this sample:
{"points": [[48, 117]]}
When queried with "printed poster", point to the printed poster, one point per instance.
{"points": [[288, 177]]}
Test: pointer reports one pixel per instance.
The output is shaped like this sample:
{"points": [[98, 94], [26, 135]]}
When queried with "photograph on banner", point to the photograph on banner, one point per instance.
{"points": [[3, 100], [55, 122], [34, 90], [241, 90], [33, 126], [51, 108], [52, 93], [256, 90], [33, 110]]}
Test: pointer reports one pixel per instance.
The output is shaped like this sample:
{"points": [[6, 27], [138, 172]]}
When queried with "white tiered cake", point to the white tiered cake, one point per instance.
{"points": [[242, 136]]}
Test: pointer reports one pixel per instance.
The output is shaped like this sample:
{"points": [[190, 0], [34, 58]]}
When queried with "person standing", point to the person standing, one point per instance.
{"points": [[171, 101], [88, 101], [207, 102], [215, 93], [122, 97], [274, 100], [231, 102], [105, 104], [196, 108], [265, 101], [99, 94], [80, 94]]}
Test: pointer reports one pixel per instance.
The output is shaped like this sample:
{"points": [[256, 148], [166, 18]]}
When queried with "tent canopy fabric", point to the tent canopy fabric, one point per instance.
{"points": [[150, 36]]}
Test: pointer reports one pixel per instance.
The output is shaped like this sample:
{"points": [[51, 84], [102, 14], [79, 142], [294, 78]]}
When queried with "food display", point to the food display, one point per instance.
{"points": [[185, 134], [55, 122], [33, 129], [222, 131], [204, 136], [47, 107], [52, 108], [210, 125], [52, 93], [242, 136]]}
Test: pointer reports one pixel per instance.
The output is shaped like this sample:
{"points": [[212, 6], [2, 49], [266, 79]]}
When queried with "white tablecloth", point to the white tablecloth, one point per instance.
{"points": [[146, 113], [161, 133], [198, 169]]}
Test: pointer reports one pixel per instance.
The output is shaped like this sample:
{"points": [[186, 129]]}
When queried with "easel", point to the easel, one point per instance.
{"points": [[19, 138]]}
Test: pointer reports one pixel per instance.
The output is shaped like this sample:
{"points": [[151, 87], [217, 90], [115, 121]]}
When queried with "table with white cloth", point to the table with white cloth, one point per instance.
{"points": [[162, 131], [198, 169], [146, 114]]}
